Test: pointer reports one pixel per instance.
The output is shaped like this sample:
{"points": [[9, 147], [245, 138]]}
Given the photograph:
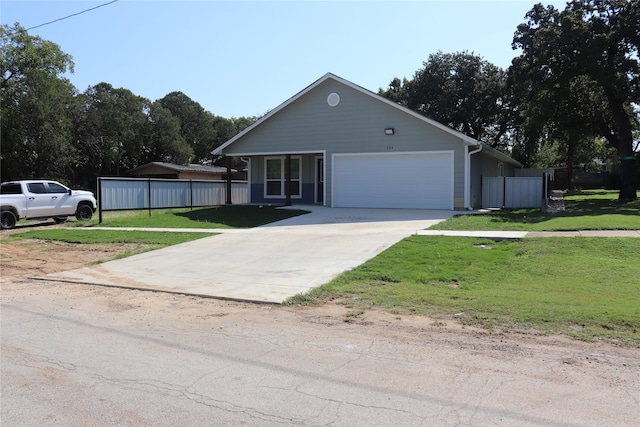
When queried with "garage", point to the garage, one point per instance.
{"points": [[417, 180]]}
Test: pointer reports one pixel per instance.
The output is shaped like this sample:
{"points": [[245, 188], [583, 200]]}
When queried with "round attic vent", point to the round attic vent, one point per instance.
{"points": [[333, 99]]}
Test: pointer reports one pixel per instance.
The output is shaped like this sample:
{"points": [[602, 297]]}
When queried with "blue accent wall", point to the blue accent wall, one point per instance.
{"points": [[308, 195]]}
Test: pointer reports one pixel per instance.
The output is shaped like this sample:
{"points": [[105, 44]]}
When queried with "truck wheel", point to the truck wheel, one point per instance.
{"points": [[8, 220], [84, 213], [59, 219]]}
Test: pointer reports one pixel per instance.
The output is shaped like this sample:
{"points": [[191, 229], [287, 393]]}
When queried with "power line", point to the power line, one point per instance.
{"points": [[72, 15]]}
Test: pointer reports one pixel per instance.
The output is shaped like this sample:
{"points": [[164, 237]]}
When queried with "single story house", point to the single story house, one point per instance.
{"points": [[172, 171], [340, 145]]}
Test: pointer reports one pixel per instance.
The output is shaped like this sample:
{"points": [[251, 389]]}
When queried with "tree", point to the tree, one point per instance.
{"points": [[109, 133], [196, 124], [163, 141], [37, 107], [460, 90], [589, 51], [118, 131]]}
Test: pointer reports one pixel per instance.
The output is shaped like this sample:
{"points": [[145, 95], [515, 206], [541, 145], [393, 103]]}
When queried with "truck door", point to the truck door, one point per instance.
{"points": [[39, 202], [60, 200]]}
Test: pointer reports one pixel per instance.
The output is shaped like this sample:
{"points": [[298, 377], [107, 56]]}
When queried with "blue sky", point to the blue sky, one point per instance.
{"points": [[244, 58]]}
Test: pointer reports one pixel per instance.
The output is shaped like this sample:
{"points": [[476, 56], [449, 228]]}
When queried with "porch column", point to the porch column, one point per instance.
{"points": [[228, 201], [287, 179]]}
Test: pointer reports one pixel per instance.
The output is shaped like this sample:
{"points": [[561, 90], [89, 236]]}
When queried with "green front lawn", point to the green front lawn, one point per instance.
{"points": [[238, 216], [583, 287], [587, 210]]}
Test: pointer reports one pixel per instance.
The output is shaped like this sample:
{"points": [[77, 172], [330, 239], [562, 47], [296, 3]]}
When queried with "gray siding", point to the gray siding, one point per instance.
{"points": [[485, 165], [355, 125]]}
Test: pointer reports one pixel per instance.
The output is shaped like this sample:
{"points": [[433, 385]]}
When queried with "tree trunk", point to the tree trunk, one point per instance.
{"points": [[628, 185], [570, 156], [624, 141]]}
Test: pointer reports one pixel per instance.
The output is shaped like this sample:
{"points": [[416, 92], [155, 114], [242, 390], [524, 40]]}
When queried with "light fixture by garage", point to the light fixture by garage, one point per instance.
{"points": [[389, 131]]}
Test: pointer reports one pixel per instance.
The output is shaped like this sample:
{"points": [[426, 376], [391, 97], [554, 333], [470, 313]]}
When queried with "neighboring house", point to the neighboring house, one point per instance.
{"points": [[173, 171], [349, 147]]}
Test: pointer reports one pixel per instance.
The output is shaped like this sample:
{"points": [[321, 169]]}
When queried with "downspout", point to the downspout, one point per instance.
{"points": [[467, 187]]}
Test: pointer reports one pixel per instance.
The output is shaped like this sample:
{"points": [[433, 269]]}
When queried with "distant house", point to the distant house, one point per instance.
{"points": [[173, 171], [341, 145]]}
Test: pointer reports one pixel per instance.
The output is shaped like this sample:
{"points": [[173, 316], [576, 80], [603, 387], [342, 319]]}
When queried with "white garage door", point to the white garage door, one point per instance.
{"points": [[421, 180]]}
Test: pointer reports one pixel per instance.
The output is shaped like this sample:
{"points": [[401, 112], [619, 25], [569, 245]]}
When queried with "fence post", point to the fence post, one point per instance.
{"points": [[481, 191], [545, 190], [100, 200], [228, 186], [504, 192], [191, 193]]}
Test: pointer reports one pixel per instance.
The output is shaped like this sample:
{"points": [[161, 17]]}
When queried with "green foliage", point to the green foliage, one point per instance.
{"points": [[163, 139], [118, 131], [584, 287], [196, 125], [37, 107], [460, 90], [579, 76], [21, 53], [51, 131]]}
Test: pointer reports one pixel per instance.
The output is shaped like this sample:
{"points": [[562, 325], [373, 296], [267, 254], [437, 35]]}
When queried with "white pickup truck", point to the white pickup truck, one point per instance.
{"points": [[40, 199]]}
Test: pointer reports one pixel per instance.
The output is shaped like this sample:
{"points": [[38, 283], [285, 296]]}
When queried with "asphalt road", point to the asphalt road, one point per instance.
{"points": [[91, 356]]}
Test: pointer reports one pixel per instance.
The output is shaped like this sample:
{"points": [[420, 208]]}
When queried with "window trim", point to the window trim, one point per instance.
{"points": [[282, 177]]}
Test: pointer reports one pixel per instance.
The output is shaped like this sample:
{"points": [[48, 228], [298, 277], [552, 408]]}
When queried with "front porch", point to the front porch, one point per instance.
{"points": [[287, 179]]}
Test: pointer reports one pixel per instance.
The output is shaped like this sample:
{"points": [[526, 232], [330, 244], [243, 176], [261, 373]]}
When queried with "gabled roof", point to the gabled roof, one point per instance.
{"points": [[465, 138], [182, 168], [375, 96]]}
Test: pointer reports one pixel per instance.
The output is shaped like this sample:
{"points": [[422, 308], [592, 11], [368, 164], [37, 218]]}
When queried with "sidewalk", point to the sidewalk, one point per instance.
{"points": [[501, 235], [455, 233]]}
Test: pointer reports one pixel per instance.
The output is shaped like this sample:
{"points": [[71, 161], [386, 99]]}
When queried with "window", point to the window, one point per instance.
{"points": [[37, 188], [275, 177], [56, 188], [500, 169], [10, 189]]}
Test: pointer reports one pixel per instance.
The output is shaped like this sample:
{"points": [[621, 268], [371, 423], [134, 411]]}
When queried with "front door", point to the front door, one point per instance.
{"points": [[320, 180]]}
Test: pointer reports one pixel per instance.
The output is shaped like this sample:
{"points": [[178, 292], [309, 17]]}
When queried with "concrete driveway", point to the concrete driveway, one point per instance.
{"points": [[268, 263]]}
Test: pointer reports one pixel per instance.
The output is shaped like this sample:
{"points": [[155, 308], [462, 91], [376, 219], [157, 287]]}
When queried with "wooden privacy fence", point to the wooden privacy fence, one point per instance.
{"points": [[149, 193], [515, 192]]}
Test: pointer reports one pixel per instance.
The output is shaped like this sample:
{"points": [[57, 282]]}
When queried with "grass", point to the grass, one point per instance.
{"points": [[584, 287], [586, 210], [239, 216]]}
